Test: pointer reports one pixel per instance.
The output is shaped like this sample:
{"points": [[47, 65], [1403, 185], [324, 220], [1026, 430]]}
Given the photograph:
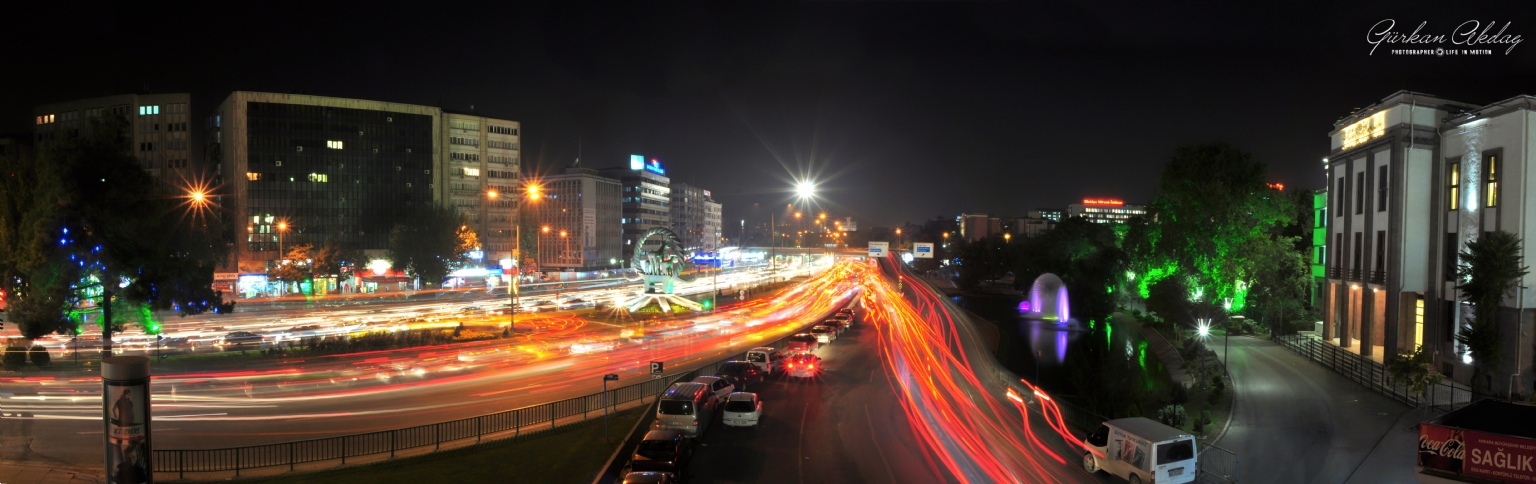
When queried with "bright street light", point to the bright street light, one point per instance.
{"points": [[805, 189]]}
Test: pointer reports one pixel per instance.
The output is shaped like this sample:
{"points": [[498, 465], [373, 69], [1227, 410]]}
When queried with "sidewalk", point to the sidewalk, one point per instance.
{"points": [[25, 474]]}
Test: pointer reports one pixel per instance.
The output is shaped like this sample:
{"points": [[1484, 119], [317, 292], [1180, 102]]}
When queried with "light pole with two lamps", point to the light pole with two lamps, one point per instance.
{"points": [[530, 193]]}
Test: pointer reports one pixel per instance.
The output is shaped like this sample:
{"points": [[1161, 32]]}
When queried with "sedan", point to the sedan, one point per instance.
{"points": [[740, 373], [742, 410], [824, 334], [665, 451], [804, 366], [241, 338]]}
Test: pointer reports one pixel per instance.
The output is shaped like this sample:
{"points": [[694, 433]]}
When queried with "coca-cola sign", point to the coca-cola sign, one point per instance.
{"points": [[1499, 457], [1441, 448]]}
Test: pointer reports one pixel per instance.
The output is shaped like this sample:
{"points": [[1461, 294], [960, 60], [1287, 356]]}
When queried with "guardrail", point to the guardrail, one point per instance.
{"points": [[1217, 465], [537, 417], [1445, 396]]}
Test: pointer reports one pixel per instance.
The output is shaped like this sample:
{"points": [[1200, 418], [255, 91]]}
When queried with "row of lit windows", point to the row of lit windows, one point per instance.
{"points": [[470, 171], [456, 140]]}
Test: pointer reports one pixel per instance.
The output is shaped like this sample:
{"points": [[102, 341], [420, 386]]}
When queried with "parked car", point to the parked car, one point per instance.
{"points": [[719, 387], [648, 478], [838, 324], [662, 451], [685, 407], [740, 373], [804, 366], [742, 409], [767, 359], [824, 334], [802, 343], [240, 338], [1141, 450]]}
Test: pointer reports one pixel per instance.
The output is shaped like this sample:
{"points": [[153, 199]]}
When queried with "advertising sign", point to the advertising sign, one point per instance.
{"points": [[879, 249], [923, 250], [1500, 457], [1441, 448], [126, 398], [636, 162]]}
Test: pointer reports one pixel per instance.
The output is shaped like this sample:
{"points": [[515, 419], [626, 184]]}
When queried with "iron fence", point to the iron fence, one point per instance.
{"points": [[1445, 396], [1216, 465], [518, 421]]}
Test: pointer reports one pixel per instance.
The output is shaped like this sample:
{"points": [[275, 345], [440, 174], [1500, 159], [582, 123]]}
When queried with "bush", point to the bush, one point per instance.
{"points": [[1172, 415], [15, 358], [40, 357], [1215, 394]]}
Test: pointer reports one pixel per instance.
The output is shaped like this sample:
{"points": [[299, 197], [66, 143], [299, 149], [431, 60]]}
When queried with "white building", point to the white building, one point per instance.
{"points": [[480, 157], [582, 211], [1414, 178], [712, 224]]}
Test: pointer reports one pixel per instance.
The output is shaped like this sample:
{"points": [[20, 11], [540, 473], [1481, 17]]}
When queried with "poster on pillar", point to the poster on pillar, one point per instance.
{"points": [[128, 433]]}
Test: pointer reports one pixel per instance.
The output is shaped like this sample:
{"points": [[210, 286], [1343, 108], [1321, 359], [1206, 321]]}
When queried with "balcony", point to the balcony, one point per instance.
{"points": [[1354, 274], [1335, 273], [1378, 277]]}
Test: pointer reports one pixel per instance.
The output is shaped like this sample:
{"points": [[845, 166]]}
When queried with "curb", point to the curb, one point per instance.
{"points": [[641, 422]]}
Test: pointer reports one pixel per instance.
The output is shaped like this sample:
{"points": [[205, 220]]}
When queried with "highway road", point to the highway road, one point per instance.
{"points": [[57, 421]]}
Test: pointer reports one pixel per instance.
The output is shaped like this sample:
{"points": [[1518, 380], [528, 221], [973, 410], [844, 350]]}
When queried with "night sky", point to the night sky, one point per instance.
{"points": [[902, 112]]}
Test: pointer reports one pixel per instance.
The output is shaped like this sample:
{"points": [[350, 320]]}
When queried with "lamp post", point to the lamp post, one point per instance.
{"points": [[1204, 328], [530, 193]]}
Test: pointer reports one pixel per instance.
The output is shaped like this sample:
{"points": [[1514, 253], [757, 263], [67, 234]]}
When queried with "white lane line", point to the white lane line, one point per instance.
{"points": [[800, 446], [887, 463]]}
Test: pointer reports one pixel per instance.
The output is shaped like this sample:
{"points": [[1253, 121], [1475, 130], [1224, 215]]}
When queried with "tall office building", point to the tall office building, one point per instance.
{"points": [[690, 217], [712, 224], [330, 170], [647, 198], [587, 209], [158, 123], [480, 157]]}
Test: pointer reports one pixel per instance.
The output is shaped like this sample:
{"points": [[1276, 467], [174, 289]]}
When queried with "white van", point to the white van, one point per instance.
{"points": [[685, 407], [1141, 451], [767, 359]]}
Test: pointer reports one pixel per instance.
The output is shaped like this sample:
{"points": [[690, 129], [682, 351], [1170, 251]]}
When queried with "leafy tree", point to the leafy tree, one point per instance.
{"points": [[1212, 200], [1415, 369], [331, 257], [1490, 269], [1278, 276], [431, 242], [88, 227]]}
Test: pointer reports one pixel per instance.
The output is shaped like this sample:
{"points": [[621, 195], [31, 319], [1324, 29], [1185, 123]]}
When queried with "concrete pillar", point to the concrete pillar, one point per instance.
{"points": [[1367, 319], [1330, 310]]}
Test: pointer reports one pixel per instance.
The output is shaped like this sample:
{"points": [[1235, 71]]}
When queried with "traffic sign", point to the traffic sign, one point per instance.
{"points": [[611, 377], [656, 368]]}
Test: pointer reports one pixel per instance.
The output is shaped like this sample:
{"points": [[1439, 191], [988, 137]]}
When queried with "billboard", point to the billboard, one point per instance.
{"points": [[923, 250], [879, 249], [636, 162]]}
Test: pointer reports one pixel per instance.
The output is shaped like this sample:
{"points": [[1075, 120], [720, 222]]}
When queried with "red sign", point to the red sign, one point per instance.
{"points": [[1500, 457], [1277, 186], [1441, 448], [1102, 201]]}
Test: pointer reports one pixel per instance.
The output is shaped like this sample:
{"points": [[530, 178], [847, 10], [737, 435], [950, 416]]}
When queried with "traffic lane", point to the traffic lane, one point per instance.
{"points": [[1295, 421], [847, 426]]}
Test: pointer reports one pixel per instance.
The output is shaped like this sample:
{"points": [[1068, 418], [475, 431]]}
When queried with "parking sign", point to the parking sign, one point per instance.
{"points": [[656, 368]]}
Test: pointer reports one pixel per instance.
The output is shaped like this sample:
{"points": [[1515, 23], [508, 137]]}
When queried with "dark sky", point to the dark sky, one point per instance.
{"points": [[902, 111]]}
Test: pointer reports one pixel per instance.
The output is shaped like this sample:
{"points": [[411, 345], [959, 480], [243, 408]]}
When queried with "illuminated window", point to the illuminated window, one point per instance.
{"points": [[252, 176], [1493, 180], [1418, 323], [335, 145], [471, 172], [1453, 188], [319, 178]]}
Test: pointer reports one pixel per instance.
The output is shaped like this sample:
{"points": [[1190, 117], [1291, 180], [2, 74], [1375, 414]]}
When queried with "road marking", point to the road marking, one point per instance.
{"points": [[887, 463], [800, 445]]}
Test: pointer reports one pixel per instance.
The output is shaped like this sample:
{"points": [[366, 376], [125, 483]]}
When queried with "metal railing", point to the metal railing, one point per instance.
{"points": [[1378, 277], [518, 421], [1217, 465], [1445, 396], [1335, 272], [1354, 274]]}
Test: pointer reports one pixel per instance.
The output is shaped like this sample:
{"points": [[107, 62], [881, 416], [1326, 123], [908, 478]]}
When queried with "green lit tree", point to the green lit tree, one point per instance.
{"points": [[1490, 270], [84, 228], [1414, 369], [1278, 278]]}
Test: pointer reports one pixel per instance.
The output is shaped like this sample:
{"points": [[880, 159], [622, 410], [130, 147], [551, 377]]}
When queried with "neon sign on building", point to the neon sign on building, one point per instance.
{"points": [[655, 167], [1102, 202], [1367, 129]]}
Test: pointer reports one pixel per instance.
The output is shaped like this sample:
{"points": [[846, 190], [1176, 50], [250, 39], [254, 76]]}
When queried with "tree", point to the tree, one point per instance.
{"points": [[1490, 269], [332, 256], [1278, 277], [1084, 254], [430, 242], [88, 229], [1212, 200], [294, 267], [1414, 369]]}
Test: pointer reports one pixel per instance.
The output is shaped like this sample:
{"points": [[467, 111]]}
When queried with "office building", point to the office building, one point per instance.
{"points": [[1052, 214], [158, 124], [690, 217], [1105, 210], [713, 235], [480, 158], [1413, 179], [303, 169], [647, 198], [583, 212]]}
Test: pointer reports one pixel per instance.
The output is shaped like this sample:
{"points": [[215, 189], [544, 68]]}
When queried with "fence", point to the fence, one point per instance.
{"points": [[1217, 465], [527, 419], [1445, 396]]}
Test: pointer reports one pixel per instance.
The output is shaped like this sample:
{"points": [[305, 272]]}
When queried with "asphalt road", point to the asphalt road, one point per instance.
{"points": [[846, 426], [1295, 421]]}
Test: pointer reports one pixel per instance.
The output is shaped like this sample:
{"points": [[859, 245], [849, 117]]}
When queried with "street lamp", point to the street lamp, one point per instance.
{"points": [[531, 193], [1203, 326]]}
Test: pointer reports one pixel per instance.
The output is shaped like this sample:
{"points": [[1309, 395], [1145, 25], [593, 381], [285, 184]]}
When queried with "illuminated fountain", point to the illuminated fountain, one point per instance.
{"points": [[660, 261], [1046, 318]]}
